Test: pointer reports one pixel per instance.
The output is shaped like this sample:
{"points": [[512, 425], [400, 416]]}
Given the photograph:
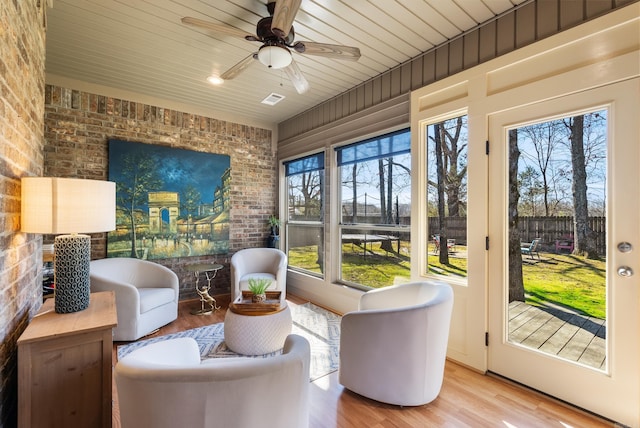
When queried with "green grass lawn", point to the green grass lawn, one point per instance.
{"points": [[377, 269], [564, 280], [305, 258], [567, 280], [561, 279]]}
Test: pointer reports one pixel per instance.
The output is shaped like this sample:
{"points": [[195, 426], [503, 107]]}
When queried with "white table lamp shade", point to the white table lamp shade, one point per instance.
{"points": [[69, 205]]}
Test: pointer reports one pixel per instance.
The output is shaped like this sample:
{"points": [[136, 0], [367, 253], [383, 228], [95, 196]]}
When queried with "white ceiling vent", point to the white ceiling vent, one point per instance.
{"points": [[273, 99]]}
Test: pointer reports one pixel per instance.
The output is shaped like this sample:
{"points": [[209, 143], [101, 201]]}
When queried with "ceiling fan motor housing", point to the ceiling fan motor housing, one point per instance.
{"points": [[274, 53], [263, 30]]}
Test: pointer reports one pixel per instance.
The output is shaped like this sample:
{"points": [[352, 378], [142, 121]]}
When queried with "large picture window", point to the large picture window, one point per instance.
{"points": [[375, 210], [305, 213]]}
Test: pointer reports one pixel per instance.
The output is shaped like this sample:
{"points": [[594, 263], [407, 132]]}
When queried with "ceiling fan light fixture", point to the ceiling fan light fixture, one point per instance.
{"points": [[275, 57]]}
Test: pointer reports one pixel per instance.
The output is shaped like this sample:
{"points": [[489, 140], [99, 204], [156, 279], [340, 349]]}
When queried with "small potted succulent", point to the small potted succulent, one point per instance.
{"points": [[258, 286]]}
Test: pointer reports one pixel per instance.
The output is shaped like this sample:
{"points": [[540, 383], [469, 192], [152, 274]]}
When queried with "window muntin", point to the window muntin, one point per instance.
{"points": [[375, 210], [305, 213]]}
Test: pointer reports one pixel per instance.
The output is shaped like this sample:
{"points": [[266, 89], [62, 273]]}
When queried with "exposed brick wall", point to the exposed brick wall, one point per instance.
{"points": [[22, 49], [78, 126]]}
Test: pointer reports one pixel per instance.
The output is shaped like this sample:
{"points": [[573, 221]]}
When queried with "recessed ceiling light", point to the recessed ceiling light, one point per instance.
{"points": [[272, 99], [214, 79]]}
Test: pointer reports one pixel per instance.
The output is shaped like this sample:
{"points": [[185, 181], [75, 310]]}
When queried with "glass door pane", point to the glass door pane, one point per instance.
{"points": [[447, 197], [557, 237]]}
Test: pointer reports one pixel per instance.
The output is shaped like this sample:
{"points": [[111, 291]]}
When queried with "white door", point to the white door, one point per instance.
{"points": [[576, 335]]}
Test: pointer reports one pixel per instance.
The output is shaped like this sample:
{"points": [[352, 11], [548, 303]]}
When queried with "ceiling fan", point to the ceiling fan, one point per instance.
{"points": [[276, 34]]}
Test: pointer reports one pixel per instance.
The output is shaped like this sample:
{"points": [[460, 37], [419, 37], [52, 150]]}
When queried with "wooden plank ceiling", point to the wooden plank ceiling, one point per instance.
{"points": [[141, 46]]}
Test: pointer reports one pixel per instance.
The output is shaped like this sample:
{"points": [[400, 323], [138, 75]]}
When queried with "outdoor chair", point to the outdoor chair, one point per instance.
{"points": [[531, 249], [564, 243], [451, 244]]}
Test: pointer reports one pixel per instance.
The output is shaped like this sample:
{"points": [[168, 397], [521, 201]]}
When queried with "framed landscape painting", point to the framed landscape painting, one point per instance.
{"points": [[169, 202]]}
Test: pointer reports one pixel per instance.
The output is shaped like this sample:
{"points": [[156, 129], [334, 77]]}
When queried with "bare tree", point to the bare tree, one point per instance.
{"points": [[308, 186], [516, 283], [389, 185], [354, 176], [382, 190], [439, 136], [544, 138], [530, 188], [390, 182], [584, 241], [401, 181], [452, 149], [449, 153]]}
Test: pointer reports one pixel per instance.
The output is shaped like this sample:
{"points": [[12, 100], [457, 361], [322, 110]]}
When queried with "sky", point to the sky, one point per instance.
{"points": [[178, 167]]}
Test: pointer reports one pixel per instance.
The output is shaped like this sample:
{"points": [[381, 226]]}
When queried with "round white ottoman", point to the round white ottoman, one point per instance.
{"points": [[257, 334]]}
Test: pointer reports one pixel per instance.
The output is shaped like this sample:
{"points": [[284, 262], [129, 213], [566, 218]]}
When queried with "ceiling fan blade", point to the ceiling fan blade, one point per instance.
{"points": [[296, 77], [283, 16], [330, 51], [238, 68], [224, 29]]}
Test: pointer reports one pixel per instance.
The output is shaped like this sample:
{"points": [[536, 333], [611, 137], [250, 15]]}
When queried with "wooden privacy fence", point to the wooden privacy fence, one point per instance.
{"points": [[551, 229], [548, 229], [456, 228]]}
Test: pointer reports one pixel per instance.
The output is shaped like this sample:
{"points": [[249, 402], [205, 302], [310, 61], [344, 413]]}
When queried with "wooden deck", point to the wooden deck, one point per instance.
{"points": [[559, 332]]}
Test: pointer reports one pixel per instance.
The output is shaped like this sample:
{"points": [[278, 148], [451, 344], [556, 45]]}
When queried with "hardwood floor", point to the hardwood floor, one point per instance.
{"points": [[467, 399]]}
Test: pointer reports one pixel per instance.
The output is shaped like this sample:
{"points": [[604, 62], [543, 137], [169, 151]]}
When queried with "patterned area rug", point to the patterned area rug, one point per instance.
{"points": [[319, 326]]}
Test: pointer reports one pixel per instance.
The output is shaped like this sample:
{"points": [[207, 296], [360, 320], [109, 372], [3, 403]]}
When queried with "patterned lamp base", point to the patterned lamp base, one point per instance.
{"points": [[71, 266]]}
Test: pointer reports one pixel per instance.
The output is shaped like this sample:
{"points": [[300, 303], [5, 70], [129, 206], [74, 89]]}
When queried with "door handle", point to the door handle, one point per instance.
{"points": [[625, 247], [625, 271]]}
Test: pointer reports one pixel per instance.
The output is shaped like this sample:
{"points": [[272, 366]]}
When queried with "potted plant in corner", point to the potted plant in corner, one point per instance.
{"points": [[258, 286], [274, 225]]}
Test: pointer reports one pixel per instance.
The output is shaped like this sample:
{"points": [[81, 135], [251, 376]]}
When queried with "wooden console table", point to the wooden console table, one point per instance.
{"points": [[65, 366]]}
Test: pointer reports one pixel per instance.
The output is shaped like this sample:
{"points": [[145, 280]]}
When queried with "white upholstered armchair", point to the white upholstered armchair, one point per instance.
{"points": [[393, 348], [146, 294], [269, 263], [166, 385]]}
